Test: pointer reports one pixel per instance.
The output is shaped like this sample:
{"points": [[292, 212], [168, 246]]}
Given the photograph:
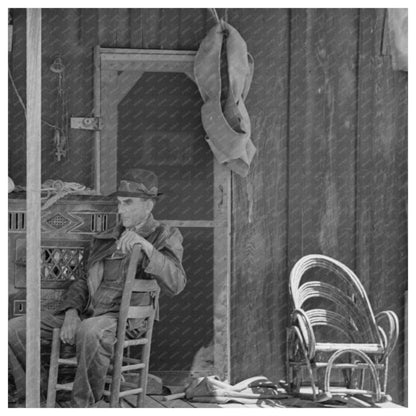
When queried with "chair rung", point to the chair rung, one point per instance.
{"points": [[131, 360], [132, 342], [345, 390], [124, 393], [66, 386], [133, 367], [68, 361], [129, 385], [130, 392], [360, 366], [140, 311], [367, 348], [144, 285]]}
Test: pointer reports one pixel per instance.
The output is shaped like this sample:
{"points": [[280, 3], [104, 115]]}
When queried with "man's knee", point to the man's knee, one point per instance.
{"points": [[93, 331], [86, 331]]}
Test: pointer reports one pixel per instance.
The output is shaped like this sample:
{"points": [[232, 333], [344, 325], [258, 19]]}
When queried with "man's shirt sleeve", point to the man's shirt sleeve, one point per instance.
{"points": [[165, 265], [76, 296]]}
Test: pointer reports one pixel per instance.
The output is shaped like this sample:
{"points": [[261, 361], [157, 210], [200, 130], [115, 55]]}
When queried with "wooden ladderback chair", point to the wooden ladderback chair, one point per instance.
{"points": [[332, 318], [128, 375]]}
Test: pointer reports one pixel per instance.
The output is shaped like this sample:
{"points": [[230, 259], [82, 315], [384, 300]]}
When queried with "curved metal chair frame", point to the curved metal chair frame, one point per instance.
{"points": [[369, 343]]}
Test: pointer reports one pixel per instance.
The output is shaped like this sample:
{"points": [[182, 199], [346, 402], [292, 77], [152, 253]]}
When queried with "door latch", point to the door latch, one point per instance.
{"points": [[86, 123]]}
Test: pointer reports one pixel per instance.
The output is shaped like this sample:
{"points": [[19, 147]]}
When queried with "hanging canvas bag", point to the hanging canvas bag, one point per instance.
{"points": [[228, 130]]}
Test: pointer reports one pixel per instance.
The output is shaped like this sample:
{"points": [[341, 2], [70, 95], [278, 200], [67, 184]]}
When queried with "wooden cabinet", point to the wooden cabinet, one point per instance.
{"points": [[67, 227]]}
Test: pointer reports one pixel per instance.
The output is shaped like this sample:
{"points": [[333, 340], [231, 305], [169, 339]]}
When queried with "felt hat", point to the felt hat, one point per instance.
{"points": [[138, 183]]}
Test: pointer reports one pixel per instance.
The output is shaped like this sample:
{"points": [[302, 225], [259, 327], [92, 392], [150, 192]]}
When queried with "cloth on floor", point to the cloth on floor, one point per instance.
{"points": [[211, 389]]}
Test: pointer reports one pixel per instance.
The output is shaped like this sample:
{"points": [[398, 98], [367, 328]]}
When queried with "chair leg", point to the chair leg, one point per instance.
{"points": [[294, 374], [289, 372], [145, 359], [53, 369], [370, 366], [116, 378], [385, 374], [362, 379], [313, 378], [320, 379]]}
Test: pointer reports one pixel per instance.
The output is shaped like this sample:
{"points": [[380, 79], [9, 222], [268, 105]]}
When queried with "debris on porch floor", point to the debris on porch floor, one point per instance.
{"points": [[304, 400], [221, 396], [159, 401]]}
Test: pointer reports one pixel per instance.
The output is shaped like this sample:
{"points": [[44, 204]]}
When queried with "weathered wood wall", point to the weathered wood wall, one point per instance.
{"points": [[330, 175], [329, 122], [72, 34], [260, 205]]}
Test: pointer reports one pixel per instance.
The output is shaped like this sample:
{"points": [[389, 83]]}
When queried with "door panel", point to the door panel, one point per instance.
{"points": [[159, 128], [150, 112], [186, 320]]}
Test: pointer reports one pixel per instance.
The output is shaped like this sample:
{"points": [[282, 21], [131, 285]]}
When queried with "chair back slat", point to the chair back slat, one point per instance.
{"points": [[140, 312], [145, 285], [340, 322], [341, 302], [352, 301], [127, 311]]}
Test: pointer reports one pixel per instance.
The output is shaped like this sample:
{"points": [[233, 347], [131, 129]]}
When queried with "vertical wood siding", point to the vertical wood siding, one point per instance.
{"points": [[259, 253], [330, 175], [329, 120], [72, 34], [381, 248]]}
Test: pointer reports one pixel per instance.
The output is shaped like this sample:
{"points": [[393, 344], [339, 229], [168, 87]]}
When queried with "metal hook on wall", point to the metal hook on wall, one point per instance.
{"points": [[57, 65], [61, 129], [219, 20]]}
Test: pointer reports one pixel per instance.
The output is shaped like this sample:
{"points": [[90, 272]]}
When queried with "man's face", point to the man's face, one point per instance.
{"points": [[133, 211]]}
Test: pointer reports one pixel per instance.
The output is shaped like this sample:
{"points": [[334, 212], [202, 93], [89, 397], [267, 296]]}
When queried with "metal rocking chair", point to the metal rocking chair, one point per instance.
{"points": [[333, 319]]}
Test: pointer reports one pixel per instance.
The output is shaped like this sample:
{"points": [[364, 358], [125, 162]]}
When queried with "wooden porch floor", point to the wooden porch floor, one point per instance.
{"points": [[157, 401]]}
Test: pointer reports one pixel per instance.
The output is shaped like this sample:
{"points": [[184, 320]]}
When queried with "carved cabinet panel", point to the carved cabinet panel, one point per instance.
{"points": [[67, 227]]}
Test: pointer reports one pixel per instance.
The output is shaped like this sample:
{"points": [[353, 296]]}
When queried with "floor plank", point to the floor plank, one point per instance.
{"points": [[204, 405], [149, 402], [233, 405], [156, 401], [387, 405], [171, 403]]}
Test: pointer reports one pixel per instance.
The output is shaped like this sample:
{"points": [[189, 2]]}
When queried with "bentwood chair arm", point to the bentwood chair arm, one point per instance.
{"points": [[390, 340], [306, 330]]}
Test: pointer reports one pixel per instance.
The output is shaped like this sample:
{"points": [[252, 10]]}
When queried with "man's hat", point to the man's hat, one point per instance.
{"points": [[138, 183]]}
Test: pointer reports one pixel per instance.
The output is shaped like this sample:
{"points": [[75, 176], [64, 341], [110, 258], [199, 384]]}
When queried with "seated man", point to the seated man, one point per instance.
{"points": [[89, 310]]}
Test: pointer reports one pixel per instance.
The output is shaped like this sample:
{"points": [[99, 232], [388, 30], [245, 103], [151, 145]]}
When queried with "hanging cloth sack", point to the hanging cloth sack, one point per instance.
{"points": [[228, 130]]}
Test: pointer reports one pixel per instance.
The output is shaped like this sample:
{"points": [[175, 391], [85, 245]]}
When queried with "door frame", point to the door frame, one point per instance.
{"points": [[115, 72]]}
